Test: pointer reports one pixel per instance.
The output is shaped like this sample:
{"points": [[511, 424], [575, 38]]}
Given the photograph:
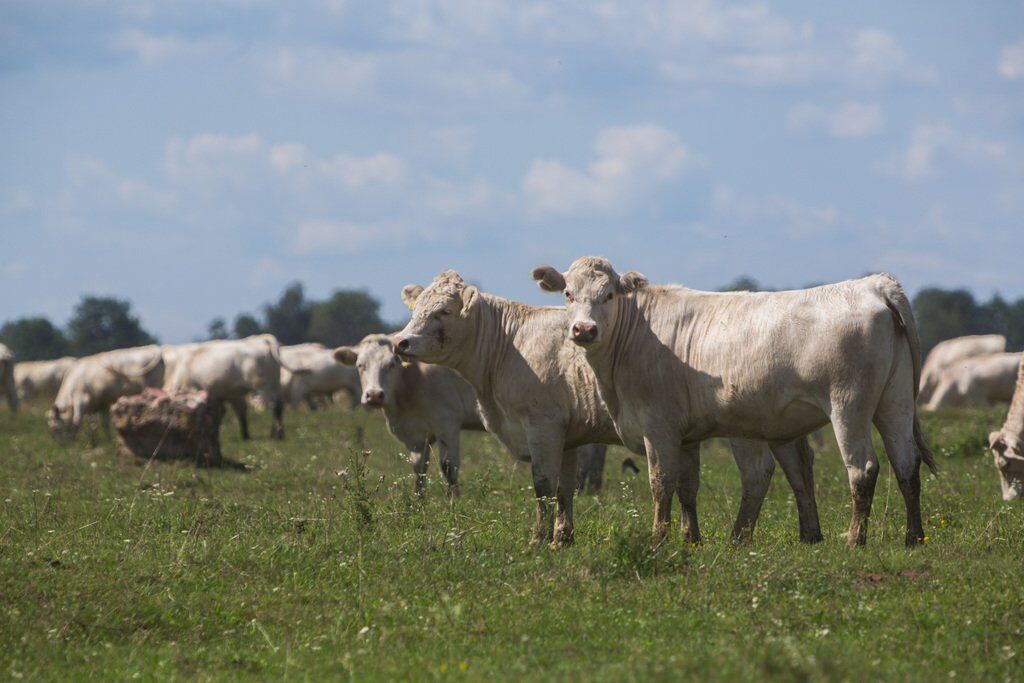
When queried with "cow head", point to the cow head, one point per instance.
{"points": [[62, 423], [1007, 452], [378, 368], [590, 286], [440, 318]]}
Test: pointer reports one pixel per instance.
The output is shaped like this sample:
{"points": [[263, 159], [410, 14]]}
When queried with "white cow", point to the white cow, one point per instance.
{"points": [[1008, 443], [947, 353], [423, 404], [228, 370], [94, 383], [41, 377], [322, 377], [540, 399], [7, 384], [677, 365], [977, 381]]}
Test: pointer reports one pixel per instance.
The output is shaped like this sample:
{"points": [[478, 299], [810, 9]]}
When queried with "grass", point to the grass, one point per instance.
{"points": [[321, 563]]}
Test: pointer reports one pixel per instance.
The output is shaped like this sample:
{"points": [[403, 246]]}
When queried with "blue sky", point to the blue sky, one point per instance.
{"points": [[195, 157]]}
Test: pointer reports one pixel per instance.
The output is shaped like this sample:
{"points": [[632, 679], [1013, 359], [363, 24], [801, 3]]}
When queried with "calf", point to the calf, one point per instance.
{"points": [[677, 365], [423, 404], [539, 397]]}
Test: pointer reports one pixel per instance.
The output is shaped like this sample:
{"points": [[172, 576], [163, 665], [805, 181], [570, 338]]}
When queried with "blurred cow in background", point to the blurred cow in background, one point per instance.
{"points": [[321, 379], [1008, 443], [976, 382], [947, 353], [37, 378]]}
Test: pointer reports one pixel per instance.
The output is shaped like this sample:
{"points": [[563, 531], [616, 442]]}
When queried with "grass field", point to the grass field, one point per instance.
{"points": [[309, 567]]}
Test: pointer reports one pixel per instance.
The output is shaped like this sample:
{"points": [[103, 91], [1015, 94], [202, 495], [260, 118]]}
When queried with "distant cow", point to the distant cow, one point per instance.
{"points": [[977, 381], [947, 353], [7, 385], [539, 397], [1008, 443], [423, 404], [94, 383], [677, 365], [228, 370], [37, 378], [322, 376]]}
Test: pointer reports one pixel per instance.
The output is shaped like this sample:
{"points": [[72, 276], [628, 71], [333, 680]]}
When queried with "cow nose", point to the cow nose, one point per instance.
{"points": [[584, 332], [373, 397], [401, 344]]}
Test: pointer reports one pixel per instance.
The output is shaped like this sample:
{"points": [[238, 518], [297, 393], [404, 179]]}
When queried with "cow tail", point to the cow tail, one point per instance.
{"points": [[903, 316]]}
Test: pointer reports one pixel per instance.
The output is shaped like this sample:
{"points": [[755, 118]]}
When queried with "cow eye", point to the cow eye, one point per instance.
{"points": [[568, 295], [610, 295]]}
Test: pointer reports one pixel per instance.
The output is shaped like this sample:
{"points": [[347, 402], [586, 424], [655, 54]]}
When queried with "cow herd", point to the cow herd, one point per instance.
{"points": [[657, 369]]}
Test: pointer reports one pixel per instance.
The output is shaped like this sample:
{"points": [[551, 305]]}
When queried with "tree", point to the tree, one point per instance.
{"points": [[345, 318], [288, 319], [34, 339], [944, 314], [246, 325], [217, 329], [104, 323], [742, 284]]}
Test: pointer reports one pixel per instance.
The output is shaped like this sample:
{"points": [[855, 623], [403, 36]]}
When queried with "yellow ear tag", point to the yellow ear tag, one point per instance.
{"points": [[406, 363]]}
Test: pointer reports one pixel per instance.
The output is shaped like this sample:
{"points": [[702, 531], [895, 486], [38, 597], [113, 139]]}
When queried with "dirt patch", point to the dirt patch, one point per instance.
{"points": [[865, 580]]}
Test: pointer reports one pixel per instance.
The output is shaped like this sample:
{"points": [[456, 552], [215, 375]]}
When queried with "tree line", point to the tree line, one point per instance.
{"points": [[346, 316]]}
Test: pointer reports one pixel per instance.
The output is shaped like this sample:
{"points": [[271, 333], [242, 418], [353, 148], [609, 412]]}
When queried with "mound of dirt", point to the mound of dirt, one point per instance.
{"points": [[178, 426]]}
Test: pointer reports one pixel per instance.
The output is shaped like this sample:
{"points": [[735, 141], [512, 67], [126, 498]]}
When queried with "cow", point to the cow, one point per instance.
{"points": [[540, 399], [947, 353], [977, 381], [1008, 443], [94, 383], [7, 384], [41, 377], [323, 376], [228, 370], [676, 365], [423, 404]]}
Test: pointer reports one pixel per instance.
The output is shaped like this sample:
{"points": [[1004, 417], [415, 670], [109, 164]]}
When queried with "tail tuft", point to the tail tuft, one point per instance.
{"points": [[922, 448]]}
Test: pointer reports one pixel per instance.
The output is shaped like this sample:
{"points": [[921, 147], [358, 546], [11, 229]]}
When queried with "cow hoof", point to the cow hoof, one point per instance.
{"points": [[812, 538]]}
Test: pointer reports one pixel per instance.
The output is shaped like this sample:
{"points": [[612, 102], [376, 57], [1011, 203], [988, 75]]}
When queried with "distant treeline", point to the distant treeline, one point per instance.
{"points": [[346, 316]]}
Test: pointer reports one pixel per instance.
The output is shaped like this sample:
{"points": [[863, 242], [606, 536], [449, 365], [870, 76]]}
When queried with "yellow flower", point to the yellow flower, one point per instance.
{"points": [[463, 666], [443, 667]]}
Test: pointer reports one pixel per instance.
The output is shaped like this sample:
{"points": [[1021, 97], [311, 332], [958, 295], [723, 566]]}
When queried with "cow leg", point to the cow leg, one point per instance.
{"points": [[797, 461], [12, 390], [854, 438], [105, 421], [563, 532], [686, 490], [277, 427], [238, 405], [545, 466], [895, 422], [310, 403], [448, 445], [420, 458], [590, 467], [663, 470], [756, 465]]}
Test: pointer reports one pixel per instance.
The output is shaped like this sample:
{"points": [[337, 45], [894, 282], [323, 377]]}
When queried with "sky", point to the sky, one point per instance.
{"points": [[196, 157]]}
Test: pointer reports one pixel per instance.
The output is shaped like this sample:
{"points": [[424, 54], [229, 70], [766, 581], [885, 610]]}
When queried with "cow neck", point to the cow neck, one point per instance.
{"points": [[1015, 417], [494, 324], [407, 384], [618, 353]]}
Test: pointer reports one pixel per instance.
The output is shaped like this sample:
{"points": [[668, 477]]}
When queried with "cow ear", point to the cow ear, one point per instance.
{"points": [[632, 281], [345, 355], [469, 297], [548, 279], [409, 295]]}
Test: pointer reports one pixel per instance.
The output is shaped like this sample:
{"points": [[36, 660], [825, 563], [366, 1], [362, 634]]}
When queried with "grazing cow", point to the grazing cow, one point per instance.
{"points": [[947, 353], [322, 377], [1008, 443], [41, 377], [423, 404], [978, 381], [677, 365], [7, 384], [540, 399], [94, 383], [228, 370]]}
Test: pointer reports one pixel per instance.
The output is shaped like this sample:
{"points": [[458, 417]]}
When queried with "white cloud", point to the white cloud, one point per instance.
{"points": [[629, 158], [211, 161], [793, 219], [343, 237], [323, 71], [150, 48], [95, 179], [1011, 61], [16, 200], [849, 120], [930, 140]]}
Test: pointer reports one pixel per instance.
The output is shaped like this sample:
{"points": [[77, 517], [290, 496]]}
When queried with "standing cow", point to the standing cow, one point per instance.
{"points": [[7, 385], [1008, 443], [41, 377], [540, 399], [94, 383], [423, 404], [321, 378], [677, 365], [977, 381], [229, 370], [947, 353]]}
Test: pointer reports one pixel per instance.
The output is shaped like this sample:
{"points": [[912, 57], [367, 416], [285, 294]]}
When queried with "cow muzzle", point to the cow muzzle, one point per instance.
{"points": [[402, 345], [583, 332], [373, 397]]}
